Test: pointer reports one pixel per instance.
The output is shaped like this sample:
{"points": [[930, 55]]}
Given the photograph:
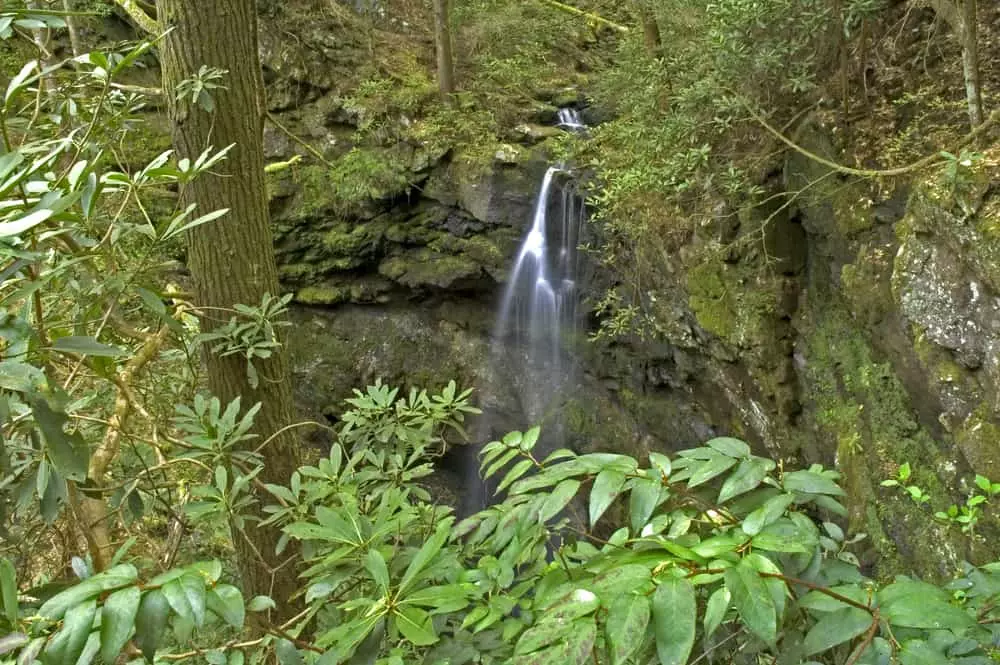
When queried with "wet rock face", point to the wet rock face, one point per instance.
{"points": [[955, 309]]}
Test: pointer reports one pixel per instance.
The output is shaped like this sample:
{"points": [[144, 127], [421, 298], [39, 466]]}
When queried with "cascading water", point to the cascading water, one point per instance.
{"points": [[538, 310]]}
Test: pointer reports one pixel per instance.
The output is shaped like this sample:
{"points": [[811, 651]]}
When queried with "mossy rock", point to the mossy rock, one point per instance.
{"points": [[858, 404], [424, 267]]}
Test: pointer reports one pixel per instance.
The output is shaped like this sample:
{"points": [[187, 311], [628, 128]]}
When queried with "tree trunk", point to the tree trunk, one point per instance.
{"points": [[442, 44], [232, 258], [960, 15], [74, 35], [650, 28], [970, 62]]}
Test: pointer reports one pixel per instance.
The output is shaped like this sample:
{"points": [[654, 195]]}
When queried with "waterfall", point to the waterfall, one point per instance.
{"points": [[538, 311]]}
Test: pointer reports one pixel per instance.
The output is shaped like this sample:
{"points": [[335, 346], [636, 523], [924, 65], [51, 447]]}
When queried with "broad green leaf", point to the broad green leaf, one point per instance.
{"points": [[194, 590], [8, 590], [674, 614], [69, 453], [68, 643], [226, 601], [557, 500], [117, 619], [784, 535], [772, 509], [113, 578], [151, 622], [514, 474], [441, 599], [643, 498], [919, 652], [660, 463], [715, 610], [753, 601], [31, 220], [426, 553], [821, 602], [810, 482], [178, 600], [747, 476], [12, 641], [86, 346], [836, 628], [605, 490], [542, 634], [261, 604], [919, 611], [416, 626], [578, 603], [621, 579], [709, 469], [375, 565], [626, 625], [287, 653], [730, 446], [90, 649]]}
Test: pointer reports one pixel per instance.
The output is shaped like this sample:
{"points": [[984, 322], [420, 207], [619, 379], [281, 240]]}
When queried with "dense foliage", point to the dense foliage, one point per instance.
{"points": [[709, 554]]}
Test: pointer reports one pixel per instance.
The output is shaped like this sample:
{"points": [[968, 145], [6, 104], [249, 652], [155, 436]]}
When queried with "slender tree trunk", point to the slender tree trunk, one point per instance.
{"points": [[970, 62], [74, 35], [232, 258], [442, 44], [650, 28], [961, 16]]}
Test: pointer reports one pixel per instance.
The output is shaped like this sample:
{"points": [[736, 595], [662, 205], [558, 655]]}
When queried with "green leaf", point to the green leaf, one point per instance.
{"points": [[661, 463], [375, 565], [8, 591], [626, 624], [919, 611], [747, 476], [753, 601], [558, 498], [441, 599], [90, 649], [151, 622], [542, 634], [674, 614], [730, 447], [67, 644], [605, 490], [643, 499], [226, 602], [178, 600], [287, 653], [709, 469], [426, 553], [261, 604], [194, 590], [117, 619], [784, 535], [31, 220], [810, 482], [113, 578], [416, 626], [69, 453], [836, 628], [12, 641], [86, 346], [715, 610], [514, 474]]}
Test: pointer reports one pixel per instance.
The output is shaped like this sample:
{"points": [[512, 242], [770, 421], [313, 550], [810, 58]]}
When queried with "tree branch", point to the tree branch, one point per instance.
{"points": [[923, 163], [590, 16], [146, 22]]}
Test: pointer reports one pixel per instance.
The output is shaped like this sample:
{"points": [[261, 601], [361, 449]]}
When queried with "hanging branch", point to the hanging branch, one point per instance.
{"points": [[146, 22], [929, 160], [590, 16]]}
